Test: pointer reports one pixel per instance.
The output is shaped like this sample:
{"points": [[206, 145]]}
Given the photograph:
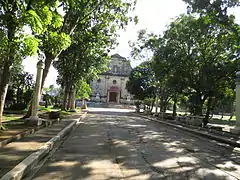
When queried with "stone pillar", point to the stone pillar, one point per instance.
{"points": [[34, 119], [238, 100], [118, 97], [237, 128], [108, 96], [156, 106], [84, 105]]}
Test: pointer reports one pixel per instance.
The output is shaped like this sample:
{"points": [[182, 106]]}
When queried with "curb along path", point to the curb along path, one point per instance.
{"points": [[25, 133], [20, 157], [201, 133]]}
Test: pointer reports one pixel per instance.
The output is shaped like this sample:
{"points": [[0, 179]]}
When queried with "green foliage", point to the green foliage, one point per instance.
{"points": [[142, 82], [20, 89], [196, 57], [57, 42], [33, 20], [18, 21], [10, 117], [93, 29], [219, 7], [83, 90], [57, 21], [30, 45], [149, 103]]}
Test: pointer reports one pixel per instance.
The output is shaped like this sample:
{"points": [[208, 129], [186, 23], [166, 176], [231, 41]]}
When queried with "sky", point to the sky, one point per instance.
{"points": [[153, 15]]}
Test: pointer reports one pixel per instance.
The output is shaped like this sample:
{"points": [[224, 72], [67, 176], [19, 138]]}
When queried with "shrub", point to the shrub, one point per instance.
{"points": [[19, 106]]}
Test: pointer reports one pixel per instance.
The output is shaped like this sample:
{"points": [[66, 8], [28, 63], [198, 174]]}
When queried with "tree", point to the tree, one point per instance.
{"points": [[197, 57], [15, 42], [217, 7], [208, 54], [20, 89], [111, 13], [217, 10], [142, 83], [83, 90]]}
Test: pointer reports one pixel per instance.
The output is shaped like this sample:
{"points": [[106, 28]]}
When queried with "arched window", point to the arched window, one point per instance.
{"points": [[115, 69]]}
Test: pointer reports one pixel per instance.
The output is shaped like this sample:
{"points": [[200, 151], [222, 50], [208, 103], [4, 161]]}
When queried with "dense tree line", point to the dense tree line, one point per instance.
{"points": [[28, 26], [194, 62]]}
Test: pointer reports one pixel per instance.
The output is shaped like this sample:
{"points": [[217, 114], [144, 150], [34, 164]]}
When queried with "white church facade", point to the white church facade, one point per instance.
{"points": [[111, 85]]}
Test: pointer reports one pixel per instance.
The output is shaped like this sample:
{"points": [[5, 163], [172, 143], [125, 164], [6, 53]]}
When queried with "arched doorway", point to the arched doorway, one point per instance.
{"points": [[113, 94]]}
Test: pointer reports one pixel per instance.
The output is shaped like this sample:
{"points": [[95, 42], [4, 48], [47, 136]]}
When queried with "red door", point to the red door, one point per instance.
{"points": [[112, 97]]}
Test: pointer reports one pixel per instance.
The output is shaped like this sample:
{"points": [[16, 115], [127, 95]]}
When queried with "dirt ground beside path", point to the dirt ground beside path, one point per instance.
{"points": [[14, 152]]}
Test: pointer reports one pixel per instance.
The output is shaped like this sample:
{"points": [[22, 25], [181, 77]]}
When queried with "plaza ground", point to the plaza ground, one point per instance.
{"points": [[117, 144]]}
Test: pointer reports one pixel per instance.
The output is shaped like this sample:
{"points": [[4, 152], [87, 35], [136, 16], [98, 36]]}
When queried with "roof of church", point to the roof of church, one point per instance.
{"points": [[123, 65], [118, 56]]}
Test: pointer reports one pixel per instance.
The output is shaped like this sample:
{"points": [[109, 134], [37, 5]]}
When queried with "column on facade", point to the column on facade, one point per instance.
{"points": [[107, 96], [118, 97]]}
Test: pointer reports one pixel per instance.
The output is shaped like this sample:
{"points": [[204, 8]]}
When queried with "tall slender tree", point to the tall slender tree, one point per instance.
{"points": [[76, 13], [15, 43]]}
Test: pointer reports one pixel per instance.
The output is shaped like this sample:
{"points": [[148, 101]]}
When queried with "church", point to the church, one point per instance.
{"points": [[110, 87]]}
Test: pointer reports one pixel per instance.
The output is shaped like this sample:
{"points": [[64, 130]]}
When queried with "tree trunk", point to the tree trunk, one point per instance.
{"points": [[209, 107], [48, 61], [161, 106], [198, 109], [175, 108], [157, 103], [152, 104], [18, 95], [6, 72], [46, 102], [232, 112], [69, 99], [222, 115], [211, 115], [5, 77], [73, 100], [66, 97]]}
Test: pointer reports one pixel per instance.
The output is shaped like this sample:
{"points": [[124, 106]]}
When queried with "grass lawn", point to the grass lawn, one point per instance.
{"points": [[11, 117], [42, 109], [69, 112], [11, 129], [50, 108]]}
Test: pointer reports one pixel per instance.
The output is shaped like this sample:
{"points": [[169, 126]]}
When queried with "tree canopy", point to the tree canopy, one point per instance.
{"points": [[195, 56]]}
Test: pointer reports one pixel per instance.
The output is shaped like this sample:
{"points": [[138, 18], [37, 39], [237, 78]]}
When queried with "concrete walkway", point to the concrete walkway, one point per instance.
{"points": [[14, 152], [118, 145]]}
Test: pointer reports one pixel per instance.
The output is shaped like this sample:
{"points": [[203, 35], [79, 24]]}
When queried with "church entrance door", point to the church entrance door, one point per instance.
{"points": [[112, 96]]}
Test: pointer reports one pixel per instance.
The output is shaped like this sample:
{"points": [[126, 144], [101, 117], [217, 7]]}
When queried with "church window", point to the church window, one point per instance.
{"points": [[114, 82], [99, 80], [116, 69]]}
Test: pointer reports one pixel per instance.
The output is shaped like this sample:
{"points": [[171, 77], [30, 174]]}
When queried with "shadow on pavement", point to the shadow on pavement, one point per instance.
{"points": [[15, 152], [119, 145]]}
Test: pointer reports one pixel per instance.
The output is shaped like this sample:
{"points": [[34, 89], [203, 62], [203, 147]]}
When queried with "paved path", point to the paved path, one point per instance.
{"points": [[16, 151], [118, 145]]}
